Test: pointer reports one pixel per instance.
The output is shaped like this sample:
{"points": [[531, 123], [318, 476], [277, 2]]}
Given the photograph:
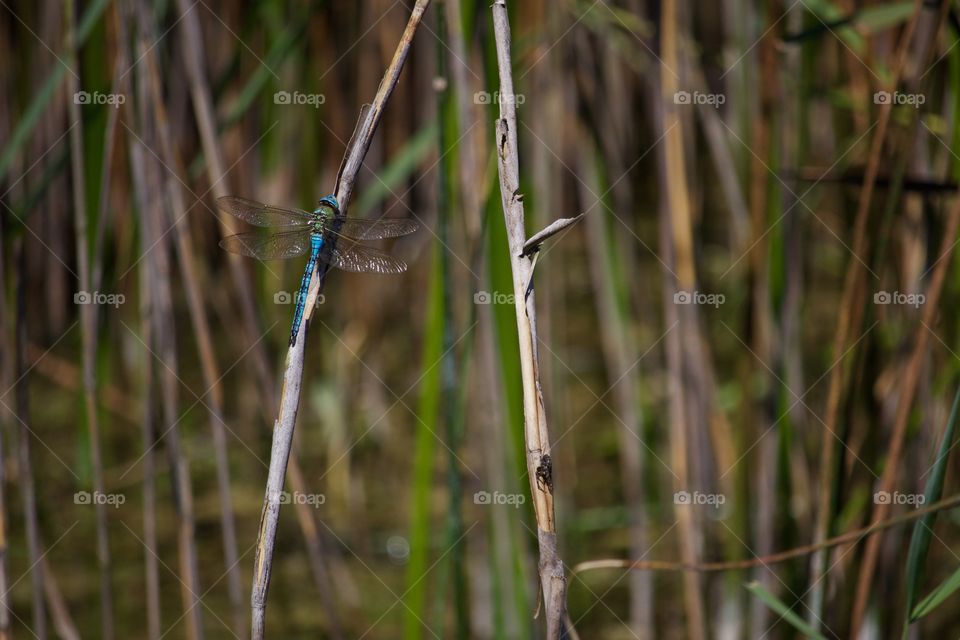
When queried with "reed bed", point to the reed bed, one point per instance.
{"points": [[675, 355]]}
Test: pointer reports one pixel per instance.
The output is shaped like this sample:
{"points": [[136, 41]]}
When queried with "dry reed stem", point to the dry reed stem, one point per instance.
{"points": [[536, 436], [293, 375]]}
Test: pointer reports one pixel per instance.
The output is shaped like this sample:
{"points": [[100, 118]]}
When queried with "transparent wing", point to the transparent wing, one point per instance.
{"points": [[268, 246], [350, 256], [262, 215], [360, 229]]}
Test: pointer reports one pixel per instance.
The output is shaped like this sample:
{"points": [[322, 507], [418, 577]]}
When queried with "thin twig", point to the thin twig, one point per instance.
{"points": [[293, 375], [539, 465], [773, 558]]}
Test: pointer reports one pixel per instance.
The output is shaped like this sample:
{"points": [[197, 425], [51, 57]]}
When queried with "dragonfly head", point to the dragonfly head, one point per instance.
{"points": [[329, 202]]}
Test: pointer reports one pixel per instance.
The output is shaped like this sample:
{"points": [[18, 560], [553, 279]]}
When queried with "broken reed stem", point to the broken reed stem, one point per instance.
{"points": [[536, 437], [293, 375]]}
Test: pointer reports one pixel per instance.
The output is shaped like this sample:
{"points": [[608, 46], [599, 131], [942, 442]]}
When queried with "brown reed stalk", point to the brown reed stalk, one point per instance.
{"points": [[208, 366], [156, 262], [124, 17], [682, 340], [553, 580]]}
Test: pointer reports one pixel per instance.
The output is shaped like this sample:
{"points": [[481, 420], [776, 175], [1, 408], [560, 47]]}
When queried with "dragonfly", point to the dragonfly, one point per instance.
{"points": [[324, 235]]}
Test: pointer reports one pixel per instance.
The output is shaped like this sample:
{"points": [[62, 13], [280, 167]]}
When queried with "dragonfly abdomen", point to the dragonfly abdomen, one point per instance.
{"points": [[316, 243]]}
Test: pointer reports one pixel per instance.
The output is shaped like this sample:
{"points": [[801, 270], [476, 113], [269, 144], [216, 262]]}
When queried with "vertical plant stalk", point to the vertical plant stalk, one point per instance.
{"points": [[677, 238], [617, 347], [451, 401], [6, 376], [761, 198], [88, 328], [537, 438], [148, 432], [151, 563], [149, 185], [63, 624], [205, 114], [293, 375], [208, 365], [911, 378], [24, 462], [850, 311]]}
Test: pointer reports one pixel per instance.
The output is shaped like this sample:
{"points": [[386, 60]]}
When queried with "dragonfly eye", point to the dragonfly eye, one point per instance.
{"points": [[330, 202]]}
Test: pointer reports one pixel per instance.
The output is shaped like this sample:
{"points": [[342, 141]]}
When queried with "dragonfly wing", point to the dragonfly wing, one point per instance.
{"points": [[262, 215], [350, 256], [361, 229], [268, 246]]}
